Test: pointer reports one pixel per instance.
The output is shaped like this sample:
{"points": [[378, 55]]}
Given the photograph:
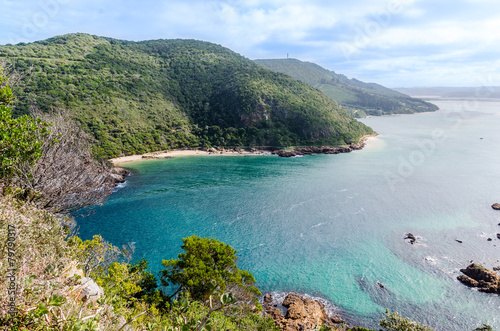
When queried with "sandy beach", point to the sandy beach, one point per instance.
{"points": [[179, 153], [213, 152]]}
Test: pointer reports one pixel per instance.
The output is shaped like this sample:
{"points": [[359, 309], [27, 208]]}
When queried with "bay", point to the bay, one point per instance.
{"points": [[332, 226]]}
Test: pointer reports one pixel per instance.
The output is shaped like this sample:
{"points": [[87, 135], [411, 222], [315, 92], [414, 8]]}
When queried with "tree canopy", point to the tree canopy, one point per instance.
{"points": [[205, 267], [138, 97]]}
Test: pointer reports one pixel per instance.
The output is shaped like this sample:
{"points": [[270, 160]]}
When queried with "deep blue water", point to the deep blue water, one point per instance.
{"points": [[333, 225]]}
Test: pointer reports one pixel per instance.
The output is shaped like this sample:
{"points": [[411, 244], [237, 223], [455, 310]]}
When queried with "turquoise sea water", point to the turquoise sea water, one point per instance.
{"points": [[333, 226]]}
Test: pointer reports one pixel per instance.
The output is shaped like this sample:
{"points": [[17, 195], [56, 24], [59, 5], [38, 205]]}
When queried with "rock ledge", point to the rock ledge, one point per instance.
{"points": [[301, 314]]}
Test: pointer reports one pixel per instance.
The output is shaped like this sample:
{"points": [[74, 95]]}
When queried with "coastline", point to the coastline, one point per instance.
{"points": [[181, 153], [296, 151]]}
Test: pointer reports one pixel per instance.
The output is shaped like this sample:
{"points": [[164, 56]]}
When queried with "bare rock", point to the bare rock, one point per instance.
{"points": [[277, 316], [88, 291], [302, 314], [296, 308], [411, 238], [283, 153], [118, 175], [475, 275], [496, 206]]}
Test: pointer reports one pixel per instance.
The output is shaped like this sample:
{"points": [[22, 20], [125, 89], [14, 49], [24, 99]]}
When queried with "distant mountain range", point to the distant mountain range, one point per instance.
{"points": [[138, 97], [481, 92], [359, 98]]}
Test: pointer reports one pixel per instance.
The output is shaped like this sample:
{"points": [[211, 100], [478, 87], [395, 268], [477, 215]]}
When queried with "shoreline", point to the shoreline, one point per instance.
{"points": [[221, 151], [180, 153]]}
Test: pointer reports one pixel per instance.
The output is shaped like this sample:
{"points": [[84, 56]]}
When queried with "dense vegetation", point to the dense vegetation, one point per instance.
{"points": [[359, 98], [136, 97], [53, 277]]}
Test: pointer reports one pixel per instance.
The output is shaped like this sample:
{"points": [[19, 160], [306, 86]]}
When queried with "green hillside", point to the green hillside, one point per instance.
{"points": [[359, 98], [137, 97]]}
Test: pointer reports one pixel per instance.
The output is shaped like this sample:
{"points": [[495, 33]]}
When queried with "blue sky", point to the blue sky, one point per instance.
{"points": [[397, 43]]}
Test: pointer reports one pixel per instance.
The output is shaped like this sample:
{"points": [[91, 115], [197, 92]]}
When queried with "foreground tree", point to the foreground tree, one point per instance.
{"points": [[21, 139], [207, 272], [208, 266]]}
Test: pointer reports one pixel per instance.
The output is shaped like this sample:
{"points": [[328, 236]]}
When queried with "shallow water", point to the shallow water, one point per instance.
{"points": [[333, 226]]}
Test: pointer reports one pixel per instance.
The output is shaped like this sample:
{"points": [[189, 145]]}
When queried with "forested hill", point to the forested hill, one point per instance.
{"points": [[359, 98], [137, 97]]}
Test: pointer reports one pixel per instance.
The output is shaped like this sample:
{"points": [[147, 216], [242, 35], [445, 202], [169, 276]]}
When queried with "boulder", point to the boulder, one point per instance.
{"points": [[302, 314], [88, 291], [118, 175], [283, 153], [496, 206], [485, 280]]}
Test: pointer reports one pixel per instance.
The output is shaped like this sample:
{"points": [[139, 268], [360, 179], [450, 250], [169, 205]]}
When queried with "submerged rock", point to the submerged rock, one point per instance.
{"points": [[475, 275]]}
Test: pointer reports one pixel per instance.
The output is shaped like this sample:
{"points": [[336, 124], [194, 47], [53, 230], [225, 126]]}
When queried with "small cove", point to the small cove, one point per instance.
{"points": [[333, 226]]}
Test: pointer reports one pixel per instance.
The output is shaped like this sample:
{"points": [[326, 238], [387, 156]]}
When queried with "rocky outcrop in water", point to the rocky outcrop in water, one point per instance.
{"points": [[299, 151], [411, 238], [301, 313], [119, 174], [485, 280]]}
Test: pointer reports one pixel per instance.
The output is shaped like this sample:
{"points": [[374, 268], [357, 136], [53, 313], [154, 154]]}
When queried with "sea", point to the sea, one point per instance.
{"points": [[334, 226]]}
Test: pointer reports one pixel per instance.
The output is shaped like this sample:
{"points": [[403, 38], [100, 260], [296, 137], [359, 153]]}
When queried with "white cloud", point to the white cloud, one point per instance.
{"points": [[388, 38]]}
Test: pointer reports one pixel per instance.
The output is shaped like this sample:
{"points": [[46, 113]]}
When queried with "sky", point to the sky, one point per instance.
{"points": [[396, 43]]}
